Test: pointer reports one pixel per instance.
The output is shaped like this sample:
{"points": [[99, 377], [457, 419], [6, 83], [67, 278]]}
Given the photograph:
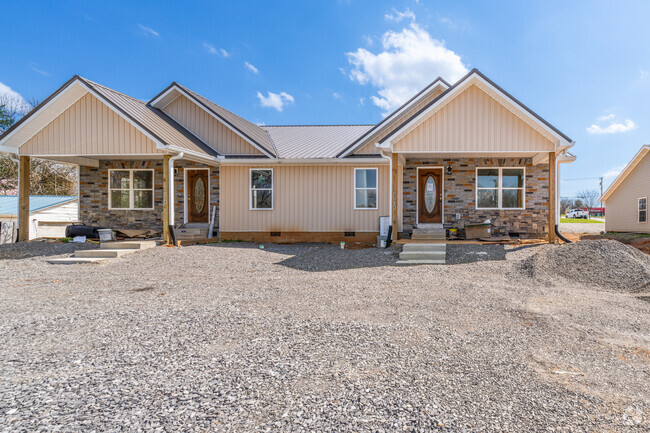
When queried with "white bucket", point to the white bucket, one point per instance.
{"points": [[105, 235]]}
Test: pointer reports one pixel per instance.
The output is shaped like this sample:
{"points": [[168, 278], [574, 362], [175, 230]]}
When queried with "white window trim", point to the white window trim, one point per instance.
{"points": [[250, 190], [376, 188], [499, 189], [131, 189], [638, 211]]}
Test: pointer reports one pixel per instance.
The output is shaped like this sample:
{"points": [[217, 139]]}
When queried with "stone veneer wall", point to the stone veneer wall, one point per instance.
{"points": [[93, 195], [460, 196]]}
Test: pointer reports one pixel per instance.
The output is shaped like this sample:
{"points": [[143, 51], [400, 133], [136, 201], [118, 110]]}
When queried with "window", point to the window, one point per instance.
{"points": [[643, 210], [500, 188], [261, 188], [365, 188], [130, 189]]}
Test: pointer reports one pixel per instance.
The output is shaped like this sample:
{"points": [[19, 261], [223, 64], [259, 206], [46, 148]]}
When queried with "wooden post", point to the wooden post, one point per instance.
{"points": [[166, 204], [551, 197], [394, 194], [23, 199]]}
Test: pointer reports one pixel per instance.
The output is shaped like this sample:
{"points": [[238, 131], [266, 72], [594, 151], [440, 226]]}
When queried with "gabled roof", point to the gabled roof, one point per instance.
{"points": [[160, 128], [9, 203], [626, 171], [456, 89], [250, 132], [395, 115], [313, 141]]}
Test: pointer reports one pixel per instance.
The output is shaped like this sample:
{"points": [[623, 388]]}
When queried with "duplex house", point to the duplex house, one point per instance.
{"points": [[450, 156]]}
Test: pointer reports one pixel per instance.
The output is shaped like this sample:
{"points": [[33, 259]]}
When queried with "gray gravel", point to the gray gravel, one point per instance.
{"points": [[469, 253], [582, 228], [44, 248], [234, 338]]}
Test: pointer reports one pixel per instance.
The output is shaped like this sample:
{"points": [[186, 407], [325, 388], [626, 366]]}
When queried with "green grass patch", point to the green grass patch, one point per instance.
{"points": [[578, 220]]}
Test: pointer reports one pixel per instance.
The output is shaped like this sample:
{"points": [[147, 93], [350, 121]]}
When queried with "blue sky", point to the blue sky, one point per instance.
{"points": [[582, 65]]}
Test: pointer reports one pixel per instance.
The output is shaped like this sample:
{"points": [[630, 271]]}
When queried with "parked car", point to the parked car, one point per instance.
{"points": [[577, 213]]}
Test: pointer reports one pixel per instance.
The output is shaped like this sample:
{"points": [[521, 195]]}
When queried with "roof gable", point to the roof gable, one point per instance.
{"points": [[629, 168], [475, 77], [250, 132]]}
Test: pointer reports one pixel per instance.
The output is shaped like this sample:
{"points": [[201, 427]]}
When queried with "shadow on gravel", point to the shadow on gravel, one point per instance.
{"points": [[26, 250], [470, 253]]}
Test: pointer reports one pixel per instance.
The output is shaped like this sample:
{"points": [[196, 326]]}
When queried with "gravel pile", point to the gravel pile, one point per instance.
{"points": [[232, 337], [23, 250], [604, 263], [468, 253]]}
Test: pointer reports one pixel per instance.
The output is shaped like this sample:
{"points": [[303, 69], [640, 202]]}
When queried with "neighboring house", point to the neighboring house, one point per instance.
{"points": [[49, 215], [451, 155], [626, 199]]}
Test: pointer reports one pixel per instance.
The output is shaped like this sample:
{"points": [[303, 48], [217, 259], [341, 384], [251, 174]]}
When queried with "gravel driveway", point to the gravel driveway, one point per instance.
{"points": [[581, 228], [230, 337]]}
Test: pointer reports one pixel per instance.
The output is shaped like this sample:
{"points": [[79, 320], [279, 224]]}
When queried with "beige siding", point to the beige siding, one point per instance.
{"points": [[473, 122], [622, 211], [317, 198], [208, 129], [89, 127], [371, 148]]}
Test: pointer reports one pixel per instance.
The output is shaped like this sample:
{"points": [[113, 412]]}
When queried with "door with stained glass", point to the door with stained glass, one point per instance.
{"points": [[430, 195], [197, 196]]}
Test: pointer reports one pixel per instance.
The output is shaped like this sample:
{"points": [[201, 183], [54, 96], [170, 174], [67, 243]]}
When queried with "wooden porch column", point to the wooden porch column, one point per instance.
{"points": [[23, 199], [166, 204], [551, 197], [393, 205]]}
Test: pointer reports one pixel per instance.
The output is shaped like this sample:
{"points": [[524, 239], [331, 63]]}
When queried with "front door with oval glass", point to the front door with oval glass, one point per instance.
{"points": [[430, 196], [198, 204]]}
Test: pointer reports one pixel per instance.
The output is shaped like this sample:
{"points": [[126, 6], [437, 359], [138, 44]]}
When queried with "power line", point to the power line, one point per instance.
{"points": [[583, 178]]}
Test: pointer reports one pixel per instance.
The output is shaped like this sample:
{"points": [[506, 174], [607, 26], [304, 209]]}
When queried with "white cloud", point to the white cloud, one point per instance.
{"points": [[275, 100], [612, 128], [213, 50], [399, 16], [410, 60], [369, 41], [337, 95], [40, 71], [610, 174], [362, 101], [225, 53], [148, 31], [605, 117], [13, 100], [252, 68]]}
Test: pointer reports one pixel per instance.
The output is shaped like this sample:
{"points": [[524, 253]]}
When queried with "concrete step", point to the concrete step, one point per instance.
{"points": [[75, 260], [103, 253], [428, 235], [202, 226], [420, 262], [423, 255], [127, 245], [424, 247]]}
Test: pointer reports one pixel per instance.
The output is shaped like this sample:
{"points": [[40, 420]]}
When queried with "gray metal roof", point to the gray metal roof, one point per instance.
{"points": [[250, 130], [154, 121], [313, 141]]}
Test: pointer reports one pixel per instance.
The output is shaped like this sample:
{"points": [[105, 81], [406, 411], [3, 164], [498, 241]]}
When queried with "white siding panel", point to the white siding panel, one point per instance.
{"points": [[622, 206]]}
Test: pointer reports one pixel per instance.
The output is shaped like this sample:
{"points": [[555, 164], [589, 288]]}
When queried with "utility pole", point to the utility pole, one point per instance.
{"points": [[601, 194]]}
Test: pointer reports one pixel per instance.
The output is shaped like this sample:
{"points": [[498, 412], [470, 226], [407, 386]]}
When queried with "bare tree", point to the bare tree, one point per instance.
{"points": [[589, 197]]}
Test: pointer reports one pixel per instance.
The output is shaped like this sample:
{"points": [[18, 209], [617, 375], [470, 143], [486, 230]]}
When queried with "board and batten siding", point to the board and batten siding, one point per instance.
{"points": [[371, 148], [473, 122], [89, 127], [621, 212], [208, 129], [306, 198]]}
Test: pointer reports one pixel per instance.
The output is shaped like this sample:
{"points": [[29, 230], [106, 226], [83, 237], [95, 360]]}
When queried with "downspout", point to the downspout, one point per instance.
{"points": [[170, 199], [391, 229], [557, 200], [17, 218]]}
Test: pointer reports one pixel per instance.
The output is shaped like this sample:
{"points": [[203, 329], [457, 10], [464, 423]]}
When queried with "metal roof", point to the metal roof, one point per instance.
{"points": [[9, 203], [250, 130], [313, 141], [154, 121]]}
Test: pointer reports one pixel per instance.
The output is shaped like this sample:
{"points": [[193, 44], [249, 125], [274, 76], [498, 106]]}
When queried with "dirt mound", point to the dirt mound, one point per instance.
{"points": [[603, 263]]}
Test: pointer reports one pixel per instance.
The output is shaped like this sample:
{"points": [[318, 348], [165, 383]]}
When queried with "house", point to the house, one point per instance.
{"points": [[49, 215], [626, 199], [451, 155]]}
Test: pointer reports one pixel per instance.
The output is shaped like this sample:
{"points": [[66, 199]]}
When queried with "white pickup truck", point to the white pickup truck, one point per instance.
{"points": [[577, 213]]}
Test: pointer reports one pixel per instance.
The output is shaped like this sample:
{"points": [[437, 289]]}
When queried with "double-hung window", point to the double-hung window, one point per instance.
{"points": [[365, 188], [261, 188], [643, 210], [130, 189], [500, 188]]}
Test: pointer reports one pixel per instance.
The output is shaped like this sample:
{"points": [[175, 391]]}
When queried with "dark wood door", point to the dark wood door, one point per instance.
{"points": [[198, 206], [430, 196]]}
